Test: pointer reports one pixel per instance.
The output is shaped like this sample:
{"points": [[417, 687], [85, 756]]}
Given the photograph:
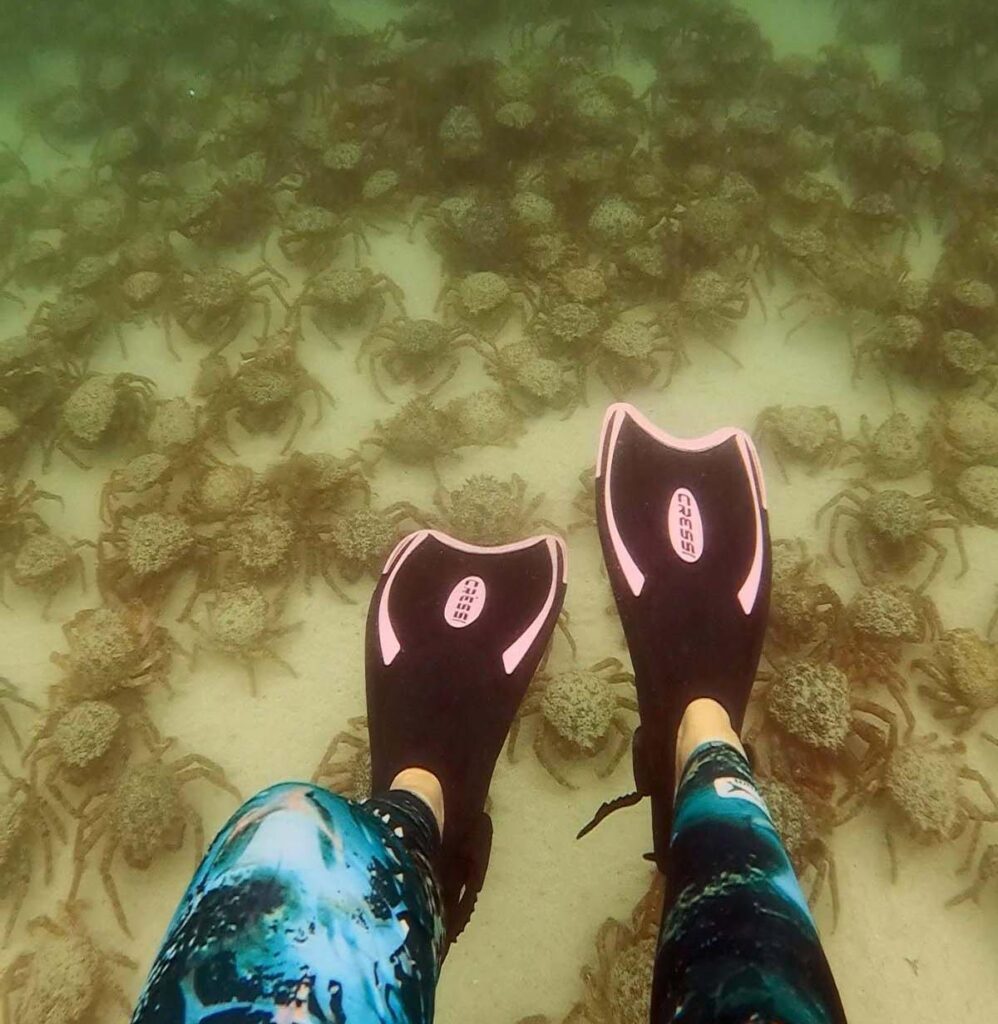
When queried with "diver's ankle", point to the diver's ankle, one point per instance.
{"points": [[426, 786], [703, 720]]}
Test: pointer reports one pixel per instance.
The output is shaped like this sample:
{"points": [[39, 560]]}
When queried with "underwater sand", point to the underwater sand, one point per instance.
{"points": [[897, 954]]}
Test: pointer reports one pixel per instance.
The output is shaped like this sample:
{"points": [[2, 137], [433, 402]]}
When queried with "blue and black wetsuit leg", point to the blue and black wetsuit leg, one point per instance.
{"points": [[307, 909], [737, 944]]}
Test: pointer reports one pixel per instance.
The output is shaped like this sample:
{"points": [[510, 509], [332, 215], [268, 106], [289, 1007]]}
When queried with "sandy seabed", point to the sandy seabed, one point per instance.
{"points": [[896, 952]]}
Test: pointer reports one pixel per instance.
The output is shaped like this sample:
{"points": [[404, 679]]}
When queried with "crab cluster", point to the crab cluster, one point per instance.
{"points": [[83, 747]]}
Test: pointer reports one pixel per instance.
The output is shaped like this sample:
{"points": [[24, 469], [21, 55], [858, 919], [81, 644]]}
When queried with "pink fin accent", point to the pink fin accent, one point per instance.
{"points": [[387, 637], [760, 480], [685, 444], [609, 417], [517, 650], [493, 549], [398, 549], [613, 422], [749, 590]]}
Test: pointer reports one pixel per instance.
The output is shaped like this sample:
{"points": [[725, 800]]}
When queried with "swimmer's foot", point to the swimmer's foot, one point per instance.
{"points": [[703, 721], [454, 635], [425, 785], [685, 538]]}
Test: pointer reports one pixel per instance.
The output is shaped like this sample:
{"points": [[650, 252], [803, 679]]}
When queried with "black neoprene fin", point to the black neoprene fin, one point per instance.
{"points": [[455, 633], [685, 537]]}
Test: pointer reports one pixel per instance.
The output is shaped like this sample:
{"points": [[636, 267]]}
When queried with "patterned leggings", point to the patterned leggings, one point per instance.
{"points": [[737, 944], [309, 909]]}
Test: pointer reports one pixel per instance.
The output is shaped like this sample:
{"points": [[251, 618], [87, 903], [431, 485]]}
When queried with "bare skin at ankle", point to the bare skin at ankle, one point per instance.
{"points": [[426, 786], [703, 720]]}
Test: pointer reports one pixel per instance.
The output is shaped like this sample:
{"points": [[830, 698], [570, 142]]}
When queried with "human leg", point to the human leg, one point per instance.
{"points": [[737, 943], [684, 528], [310, 908], [307, 907]]}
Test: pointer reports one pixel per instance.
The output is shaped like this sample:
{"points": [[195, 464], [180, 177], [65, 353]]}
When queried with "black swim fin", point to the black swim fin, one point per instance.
{"points": [[685, 537], [455, 633]]}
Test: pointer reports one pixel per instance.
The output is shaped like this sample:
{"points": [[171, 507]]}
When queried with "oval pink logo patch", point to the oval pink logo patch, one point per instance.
{"points": [[685, 525], [466, 602]]}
